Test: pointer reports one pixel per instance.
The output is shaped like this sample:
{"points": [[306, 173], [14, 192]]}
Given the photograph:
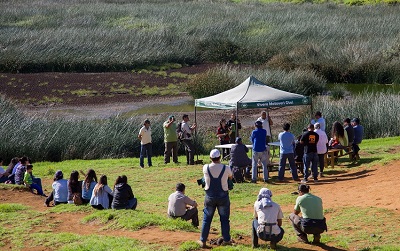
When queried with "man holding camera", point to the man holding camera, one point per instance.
{"points": [[187, 139], [216, 177], [170, 140]]}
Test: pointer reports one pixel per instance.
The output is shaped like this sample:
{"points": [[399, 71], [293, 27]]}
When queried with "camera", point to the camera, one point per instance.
{"points": [[201, 182]]}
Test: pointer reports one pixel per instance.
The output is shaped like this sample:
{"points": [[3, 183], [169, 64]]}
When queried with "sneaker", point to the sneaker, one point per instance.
{"points": [[202, 244], [304, 181], [272, 245], [315, 179], [302, 238], [227, 243], [142, 167], [317, 239], [321, 175]]}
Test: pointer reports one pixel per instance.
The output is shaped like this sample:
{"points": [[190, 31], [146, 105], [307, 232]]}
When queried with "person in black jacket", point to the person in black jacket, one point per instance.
{"points": [[123, 195]]}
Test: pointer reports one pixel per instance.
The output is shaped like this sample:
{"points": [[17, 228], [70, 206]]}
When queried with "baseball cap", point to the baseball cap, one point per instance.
{"points": [[215, 153], [258, 123], [171, 116]]}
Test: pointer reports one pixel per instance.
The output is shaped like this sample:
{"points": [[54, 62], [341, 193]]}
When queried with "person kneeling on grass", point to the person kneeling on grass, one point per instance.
{"points": [[313, 220], [123, 195], [102, 194], [267, 219], [181, 206], [32, 182], [60, 190]]}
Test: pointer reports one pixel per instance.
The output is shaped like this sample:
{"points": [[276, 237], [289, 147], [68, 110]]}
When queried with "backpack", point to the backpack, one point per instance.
{"points": [[179, 131], [76, 197], [237, 175]]}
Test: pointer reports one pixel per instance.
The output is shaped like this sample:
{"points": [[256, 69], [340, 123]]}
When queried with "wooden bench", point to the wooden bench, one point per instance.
{"points": [[334, 154]]}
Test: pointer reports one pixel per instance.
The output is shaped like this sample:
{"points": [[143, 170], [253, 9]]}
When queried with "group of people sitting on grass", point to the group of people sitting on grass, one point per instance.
{"points": [[91, 191], [20, 172]]}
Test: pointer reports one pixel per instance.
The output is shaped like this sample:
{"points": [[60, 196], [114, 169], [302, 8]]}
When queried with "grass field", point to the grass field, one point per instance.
{"points": [[349, 226]]}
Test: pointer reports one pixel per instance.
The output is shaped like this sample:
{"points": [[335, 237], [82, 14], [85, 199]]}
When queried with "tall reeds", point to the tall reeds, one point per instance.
{"points": [[343, 44]]}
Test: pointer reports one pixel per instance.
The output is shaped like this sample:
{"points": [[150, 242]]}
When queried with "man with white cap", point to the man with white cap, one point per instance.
{"points": [[216, 177], [267, 220]]}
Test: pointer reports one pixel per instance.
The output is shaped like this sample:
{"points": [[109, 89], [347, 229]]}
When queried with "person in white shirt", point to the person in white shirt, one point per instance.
{"points": [[145, 143], [216, 177], [319, 119], [267, 223], [267, 123], [181, 206], [321, 147], [187, 140]]}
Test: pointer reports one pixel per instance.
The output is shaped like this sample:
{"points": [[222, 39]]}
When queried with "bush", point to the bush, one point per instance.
{"points": [[209, 83]]}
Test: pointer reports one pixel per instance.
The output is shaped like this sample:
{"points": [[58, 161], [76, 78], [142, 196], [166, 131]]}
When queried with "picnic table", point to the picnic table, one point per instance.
{"points": [[334, 154]]}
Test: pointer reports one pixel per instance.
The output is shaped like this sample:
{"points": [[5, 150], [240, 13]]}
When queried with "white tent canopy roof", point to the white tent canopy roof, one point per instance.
{"points": [[252, 94]]}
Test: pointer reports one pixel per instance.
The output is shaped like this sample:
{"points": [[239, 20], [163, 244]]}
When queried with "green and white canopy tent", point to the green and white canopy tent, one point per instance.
{"points": [[252, 94]]}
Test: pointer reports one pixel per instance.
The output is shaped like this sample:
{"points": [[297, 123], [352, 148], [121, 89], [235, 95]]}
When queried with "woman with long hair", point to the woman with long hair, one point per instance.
{"points": [[223, 136], [74, 186], [123, 195], [339, 138], [88, 185], [101, 194]]}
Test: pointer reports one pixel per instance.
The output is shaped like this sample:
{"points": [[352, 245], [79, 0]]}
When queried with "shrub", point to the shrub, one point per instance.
{"points": [[209, 83]]}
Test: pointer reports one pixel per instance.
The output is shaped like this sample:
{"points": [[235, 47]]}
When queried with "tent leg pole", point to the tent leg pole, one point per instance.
{"points": [[236, 121]]}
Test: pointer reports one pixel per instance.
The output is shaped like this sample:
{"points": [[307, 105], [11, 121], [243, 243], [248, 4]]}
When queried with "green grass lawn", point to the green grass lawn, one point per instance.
{"points": [[152, 187]]}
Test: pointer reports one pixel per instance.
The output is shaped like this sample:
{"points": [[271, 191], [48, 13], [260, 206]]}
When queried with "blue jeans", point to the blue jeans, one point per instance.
{"points": [[146, 150], [223, 206], [263, 157], [310, 158], [282, 164], [36, 187]]}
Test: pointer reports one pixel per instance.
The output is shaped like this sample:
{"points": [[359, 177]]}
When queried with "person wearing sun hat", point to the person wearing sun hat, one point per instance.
{"points": [[216, 177], [60, 190], [170, 140], [267, 223]]}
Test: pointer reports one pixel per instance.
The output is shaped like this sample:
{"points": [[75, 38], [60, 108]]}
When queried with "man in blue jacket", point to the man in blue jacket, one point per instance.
{"points": [[258, 138]]}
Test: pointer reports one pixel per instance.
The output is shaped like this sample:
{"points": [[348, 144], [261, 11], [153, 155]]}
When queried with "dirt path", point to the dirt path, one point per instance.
{"points": [[373, 187]]}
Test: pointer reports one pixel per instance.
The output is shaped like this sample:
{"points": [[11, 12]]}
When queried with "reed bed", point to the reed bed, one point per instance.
{"points": [[342, 43], [379, 113]]}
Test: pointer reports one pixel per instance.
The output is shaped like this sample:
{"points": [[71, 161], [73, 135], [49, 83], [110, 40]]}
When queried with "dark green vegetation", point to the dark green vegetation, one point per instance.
{"points": [[341, 43], [55, 139]]}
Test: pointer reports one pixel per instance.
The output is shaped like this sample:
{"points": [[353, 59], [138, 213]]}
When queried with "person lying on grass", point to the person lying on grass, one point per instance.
{"points": [[123, 195], [60, 190], [32, 182], [102, 194]]}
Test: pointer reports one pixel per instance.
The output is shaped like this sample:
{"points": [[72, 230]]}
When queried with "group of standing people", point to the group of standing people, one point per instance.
{"points": [[314, 144], [91, 190], [173, 132]]}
